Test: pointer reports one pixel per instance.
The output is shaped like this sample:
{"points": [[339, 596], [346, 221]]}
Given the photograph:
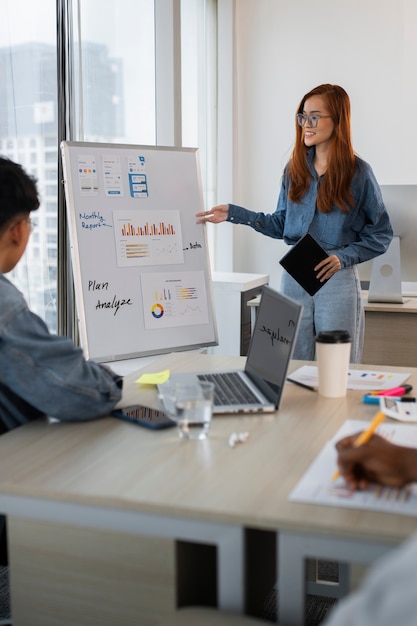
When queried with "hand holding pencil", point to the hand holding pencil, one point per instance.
{"points": [[368, 458], [365, 435]]}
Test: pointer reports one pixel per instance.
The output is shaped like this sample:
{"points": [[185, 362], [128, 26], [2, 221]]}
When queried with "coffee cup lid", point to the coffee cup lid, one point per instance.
{"points": [[333, 336]]}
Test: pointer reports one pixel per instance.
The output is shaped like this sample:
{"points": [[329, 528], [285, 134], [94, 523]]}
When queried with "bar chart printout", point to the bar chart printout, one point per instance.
{"points": [[148, 238], [174, 299]]}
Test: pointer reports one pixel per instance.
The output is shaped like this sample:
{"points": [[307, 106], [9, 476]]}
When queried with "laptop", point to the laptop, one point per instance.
{"points": [[258, 388]]}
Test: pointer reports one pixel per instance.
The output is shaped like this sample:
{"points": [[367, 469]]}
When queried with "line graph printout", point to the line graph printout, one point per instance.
{"points": [[174, 299], [148, 238], [317, 486]]}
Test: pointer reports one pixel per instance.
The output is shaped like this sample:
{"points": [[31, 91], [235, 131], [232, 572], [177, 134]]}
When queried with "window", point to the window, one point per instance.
{"points": [[113, 100], [28, 119], [114, 67], [198, 94]]}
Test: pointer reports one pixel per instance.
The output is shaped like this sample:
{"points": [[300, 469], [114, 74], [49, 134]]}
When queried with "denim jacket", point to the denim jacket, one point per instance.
{"points": [[362, 234], [45, 374]]}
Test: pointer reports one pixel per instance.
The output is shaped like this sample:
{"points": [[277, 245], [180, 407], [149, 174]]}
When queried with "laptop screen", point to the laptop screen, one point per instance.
{"points": [[273, 340]]}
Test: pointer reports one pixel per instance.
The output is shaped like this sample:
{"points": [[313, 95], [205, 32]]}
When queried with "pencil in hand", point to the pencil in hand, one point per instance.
{"points": [[365, 435]]}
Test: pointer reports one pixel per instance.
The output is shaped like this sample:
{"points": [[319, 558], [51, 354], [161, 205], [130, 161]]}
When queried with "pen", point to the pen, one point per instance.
{"points": [[395, 391], [365, 435], [373, 396], [296, 382]]}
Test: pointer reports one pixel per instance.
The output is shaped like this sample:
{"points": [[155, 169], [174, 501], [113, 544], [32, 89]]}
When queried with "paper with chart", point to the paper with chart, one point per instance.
{"points": [[173, 299], [148, 238], [317, 486], [365, 380]]}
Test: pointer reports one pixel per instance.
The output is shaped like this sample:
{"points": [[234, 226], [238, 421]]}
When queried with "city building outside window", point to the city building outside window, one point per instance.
{"points": [[114, 100]]}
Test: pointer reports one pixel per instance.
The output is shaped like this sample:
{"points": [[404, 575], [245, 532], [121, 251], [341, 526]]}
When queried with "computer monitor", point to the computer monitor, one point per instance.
{"points": [[401, 204]]}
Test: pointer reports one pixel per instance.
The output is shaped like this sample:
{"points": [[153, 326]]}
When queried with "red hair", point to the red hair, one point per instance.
{"points": [[335, 189]]}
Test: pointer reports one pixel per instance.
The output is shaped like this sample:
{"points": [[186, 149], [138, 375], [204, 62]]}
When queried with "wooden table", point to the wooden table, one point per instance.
{"points": [[102, 515]]}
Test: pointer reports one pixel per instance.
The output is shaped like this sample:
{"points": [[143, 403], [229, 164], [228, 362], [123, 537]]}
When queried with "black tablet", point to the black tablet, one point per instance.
{"points": [[301, 260]]}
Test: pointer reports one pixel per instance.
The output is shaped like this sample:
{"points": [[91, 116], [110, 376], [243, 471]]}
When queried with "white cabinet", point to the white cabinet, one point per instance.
{"points": [[231, 292]]}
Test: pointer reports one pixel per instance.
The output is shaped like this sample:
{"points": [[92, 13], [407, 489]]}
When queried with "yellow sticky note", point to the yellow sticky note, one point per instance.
{"points": [[153, 379]]}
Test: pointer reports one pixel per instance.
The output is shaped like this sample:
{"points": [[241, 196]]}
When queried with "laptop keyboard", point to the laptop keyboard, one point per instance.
{"points": [[229, 389]]}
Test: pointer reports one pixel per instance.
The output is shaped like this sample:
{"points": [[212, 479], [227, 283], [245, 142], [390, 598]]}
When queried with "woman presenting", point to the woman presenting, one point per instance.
{"points": [[328, 191]]}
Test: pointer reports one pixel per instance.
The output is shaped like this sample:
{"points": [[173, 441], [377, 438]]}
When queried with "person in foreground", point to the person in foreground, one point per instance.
{"points": [[387, 594], [41, 374], [329, 192]]}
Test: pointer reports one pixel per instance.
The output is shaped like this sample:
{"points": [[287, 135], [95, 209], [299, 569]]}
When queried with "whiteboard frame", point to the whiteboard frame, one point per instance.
{"points": [[69, 152]]}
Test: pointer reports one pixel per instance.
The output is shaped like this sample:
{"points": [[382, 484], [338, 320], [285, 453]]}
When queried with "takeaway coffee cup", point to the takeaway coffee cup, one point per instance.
{"points": [[333, 356]]}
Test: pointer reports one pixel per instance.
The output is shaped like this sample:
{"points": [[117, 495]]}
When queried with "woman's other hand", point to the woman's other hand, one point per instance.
{"points": [[326, 268]]}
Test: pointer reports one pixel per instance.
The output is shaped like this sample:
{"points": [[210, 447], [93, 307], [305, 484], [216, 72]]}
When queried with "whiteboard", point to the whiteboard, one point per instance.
{"points": [[140, 261]]}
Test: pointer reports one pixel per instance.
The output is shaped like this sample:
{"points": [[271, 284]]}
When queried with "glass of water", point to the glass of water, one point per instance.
{"points": [[190, 405]]}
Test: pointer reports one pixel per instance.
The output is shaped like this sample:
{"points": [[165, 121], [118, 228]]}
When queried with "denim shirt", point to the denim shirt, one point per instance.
{"points": [[362, 234], [46, 374]]}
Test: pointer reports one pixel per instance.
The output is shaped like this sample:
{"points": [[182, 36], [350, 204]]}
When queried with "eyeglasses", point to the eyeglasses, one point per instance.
{"points": [[32, 224], [312, 120]]}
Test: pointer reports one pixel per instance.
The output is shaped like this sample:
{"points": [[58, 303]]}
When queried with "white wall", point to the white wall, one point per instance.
{"points": [[283, 49]]}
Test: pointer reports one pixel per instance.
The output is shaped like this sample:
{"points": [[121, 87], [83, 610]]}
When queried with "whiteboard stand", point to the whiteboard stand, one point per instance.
{"points": [[140, 260]]}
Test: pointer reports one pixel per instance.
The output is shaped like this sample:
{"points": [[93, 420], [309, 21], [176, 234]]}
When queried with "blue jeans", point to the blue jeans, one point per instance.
{"points": [[336, 306]]}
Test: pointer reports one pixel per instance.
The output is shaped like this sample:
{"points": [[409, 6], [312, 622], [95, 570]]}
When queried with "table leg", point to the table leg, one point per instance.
{"points": [[291, 580], [230, 566], [295, 548]]}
